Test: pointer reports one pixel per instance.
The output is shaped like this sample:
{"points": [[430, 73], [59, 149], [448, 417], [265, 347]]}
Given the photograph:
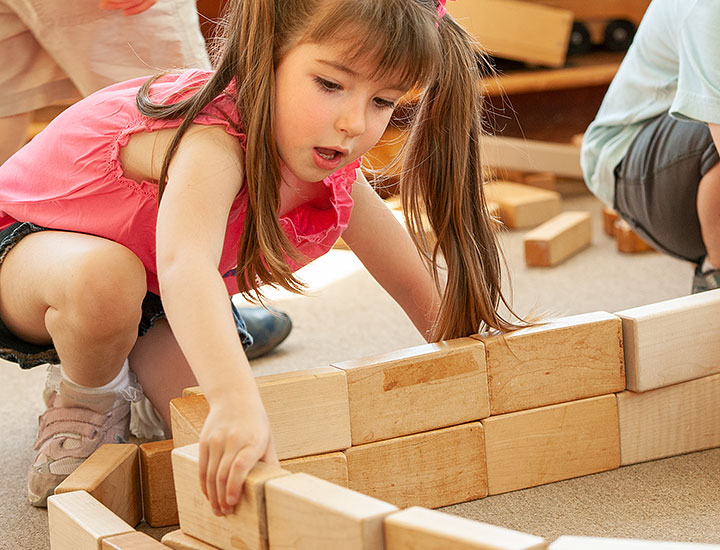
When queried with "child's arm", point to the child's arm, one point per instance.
{"points": [[384, 247], [204, 178]]}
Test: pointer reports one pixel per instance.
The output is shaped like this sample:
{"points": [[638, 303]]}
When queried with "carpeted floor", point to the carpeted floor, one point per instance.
{"points": [[349, 316]]}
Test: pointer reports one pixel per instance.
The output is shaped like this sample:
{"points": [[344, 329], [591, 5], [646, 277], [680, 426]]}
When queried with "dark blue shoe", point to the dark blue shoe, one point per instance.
{"points": [[705, 280], [267, 329]]}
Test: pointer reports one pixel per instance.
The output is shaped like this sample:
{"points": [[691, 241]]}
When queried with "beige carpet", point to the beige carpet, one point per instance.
{"points": [[349, 316]]}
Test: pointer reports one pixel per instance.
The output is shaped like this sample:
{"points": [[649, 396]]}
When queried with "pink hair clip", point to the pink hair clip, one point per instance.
{"points": [[441, 8]]}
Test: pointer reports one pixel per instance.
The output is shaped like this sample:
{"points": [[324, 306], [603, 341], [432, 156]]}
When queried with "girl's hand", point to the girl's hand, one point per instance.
{"points": [[128, 7], [234, 438]]}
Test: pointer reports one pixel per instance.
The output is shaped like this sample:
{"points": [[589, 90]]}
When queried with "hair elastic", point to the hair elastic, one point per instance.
{"points": [[441, 8]]}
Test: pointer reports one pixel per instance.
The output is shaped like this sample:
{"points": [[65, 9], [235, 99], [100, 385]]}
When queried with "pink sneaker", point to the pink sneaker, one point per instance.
{"points": [[68, 435]]}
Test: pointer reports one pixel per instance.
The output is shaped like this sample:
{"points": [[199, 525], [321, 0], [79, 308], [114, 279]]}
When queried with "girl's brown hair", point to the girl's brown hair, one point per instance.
{"points": [[442, 172]]}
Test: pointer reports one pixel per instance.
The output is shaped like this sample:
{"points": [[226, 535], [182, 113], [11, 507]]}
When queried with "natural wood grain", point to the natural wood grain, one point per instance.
{"points": [[330, 467], [177, 540], [558, 238], [522, 206], [627, 240], [132, 541], [158, 487]]}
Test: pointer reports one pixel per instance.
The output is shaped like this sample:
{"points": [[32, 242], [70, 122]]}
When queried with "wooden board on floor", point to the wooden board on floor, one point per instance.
{"points": [[418, 528], [562, 159], [597, 543], [548, 444], [132, 541], [78, 521], [669, 421], [307, 513], [245, 527], [177, 540], [431, 469], [522, 206], [558, 238], [564, 360], [158, 487], [416, 389], [331, 467], [112, 476], [672, 341]]}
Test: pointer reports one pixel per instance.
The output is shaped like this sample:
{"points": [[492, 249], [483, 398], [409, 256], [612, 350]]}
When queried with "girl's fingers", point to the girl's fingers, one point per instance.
{"points": [[214, 456], [239, 471]]}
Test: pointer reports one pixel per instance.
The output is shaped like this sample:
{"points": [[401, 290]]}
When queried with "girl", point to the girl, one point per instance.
{"points": [[255, 167]]}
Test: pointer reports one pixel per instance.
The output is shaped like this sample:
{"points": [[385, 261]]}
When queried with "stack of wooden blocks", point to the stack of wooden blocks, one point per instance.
{"points": [[422, 428]]}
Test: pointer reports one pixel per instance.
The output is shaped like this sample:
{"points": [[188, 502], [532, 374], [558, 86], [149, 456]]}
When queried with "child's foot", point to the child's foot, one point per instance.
{"points": [[69, 434], [705, 280], [268, 329]]}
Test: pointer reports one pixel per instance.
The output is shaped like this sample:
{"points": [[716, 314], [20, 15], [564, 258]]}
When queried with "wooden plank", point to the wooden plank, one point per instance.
{"points": [[245, 527], [562, 159], [558, 238], [331, 467], [669, 421], [671, 341], [158, 487], [308, 412], [431, 469], [416, 389], [112, 476], [307, 513], [78, 521], [132, 541], [521, 205], [627, 240], [418, 528], [177, 540], [563, 360], [597, 543], [539, 446]]}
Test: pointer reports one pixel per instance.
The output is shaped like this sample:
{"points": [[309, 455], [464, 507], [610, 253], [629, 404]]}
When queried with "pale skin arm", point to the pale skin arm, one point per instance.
{"points": [[190, 231], [708, 204], [384, 247]]}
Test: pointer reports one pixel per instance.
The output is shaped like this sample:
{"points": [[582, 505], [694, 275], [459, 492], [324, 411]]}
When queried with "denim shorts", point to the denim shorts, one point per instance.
{"points": [[28, 355], [657, 182]]}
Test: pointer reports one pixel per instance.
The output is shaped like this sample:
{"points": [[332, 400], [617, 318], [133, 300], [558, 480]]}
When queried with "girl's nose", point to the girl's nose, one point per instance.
{"points": [[351, 120]]}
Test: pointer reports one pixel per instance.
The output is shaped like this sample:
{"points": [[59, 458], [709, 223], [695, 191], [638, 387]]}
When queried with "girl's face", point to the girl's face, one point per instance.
{"points": [[328, 113]]}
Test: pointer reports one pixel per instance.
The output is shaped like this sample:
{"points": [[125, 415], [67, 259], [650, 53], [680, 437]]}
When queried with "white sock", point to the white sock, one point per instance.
{"points": [[122, 386], [707, 266]]}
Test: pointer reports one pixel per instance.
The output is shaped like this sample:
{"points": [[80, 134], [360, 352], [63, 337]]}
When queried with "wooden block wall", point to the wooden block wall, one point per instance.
{"points": [[330, 467], [132, 541], [522, 206], [558, 238], [177, 540], [158, 486]]}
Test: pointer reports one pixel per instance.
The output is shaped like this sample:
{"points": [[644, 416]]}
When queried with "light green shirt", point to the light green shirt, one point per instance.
{"points": [[673, 65]]}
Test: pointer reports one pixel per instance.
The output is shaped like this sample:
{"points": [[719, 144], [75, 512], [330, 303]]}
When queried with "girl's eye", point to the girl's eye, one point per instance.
{"points": [[384, 103], [327, 85]]}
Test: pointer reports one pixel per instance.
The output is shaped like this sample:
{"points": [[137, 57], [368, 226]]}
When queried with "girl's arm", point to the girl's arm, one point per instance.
{"points": [[204, 178], [385, 248]]}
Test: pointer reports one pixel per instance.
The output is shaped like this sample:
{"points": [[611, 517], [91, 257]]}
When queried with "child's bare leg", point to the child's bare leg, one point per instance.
{"points": [[708, 206], [13, 132]]}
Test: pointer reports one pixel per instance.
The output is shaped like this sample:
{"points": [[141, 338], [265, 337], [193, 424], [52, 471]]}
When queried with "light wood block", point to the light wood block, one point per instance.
{"points": [[308, 412], [112, 476], [672, 341], [245, 528], [544, 180], [627, 240], [158, 487], [539, 446], [609, 218], [177, 540], [523, 206], [307, 513], [331, 467], [416, 389], [597, 543], [564, 360], [418, 528], [431, 469], [669, 421], [558, 238], [132, 541], [527, 155], [78, 521]]}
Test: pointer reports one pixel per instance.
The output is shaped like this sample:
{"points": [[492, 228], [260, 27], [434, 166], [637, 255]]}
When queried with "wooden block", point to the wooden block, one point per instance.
{"points": [[669, 421], [543, 180], [307, 513], [416, 389], [521, 31], [245, 528], [597, 543], [609, 218], [431, 469], [158, 487], [530, 448], [177, 540], [558, 238], [132, 541], [523, 206], [672, 341], [563, 360], [331, 467], [308, 412], [112, 476], [418, 528], [78, 521], [627, 240], [527, 155]]}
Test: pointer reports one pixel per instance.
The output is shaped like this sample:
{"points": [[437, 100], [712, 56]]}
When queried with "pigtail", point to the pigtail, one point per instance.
{"points": [[442, 181]]}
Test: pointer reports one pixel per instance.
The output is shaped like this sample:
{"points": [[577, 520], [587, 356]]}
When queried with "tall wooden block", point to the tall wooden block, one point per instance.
{"points": [[331, 467], [669, 421], [563, 360], [177, 540], [558, 238], [530, 448], [132, 541], [523, 206], [78, 521], [418, 528], [158, 487], [430, 469], [307, 513], [308, 412], [245, 528], [416, 389], [112, 476], [672, 341], [597, 543]]}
